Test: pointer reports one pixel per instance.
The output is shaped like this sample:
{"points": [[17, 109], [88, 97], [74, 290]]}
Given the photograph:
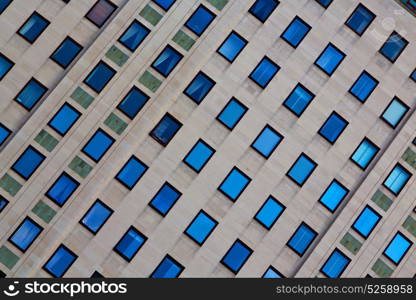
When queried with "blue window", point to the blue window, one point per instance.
{"points": [[267, 141], [100, 12], [200, 20], [66, 52], [296, 32], [364, 154], [131, 172], [333, 127], [298, 100], [32, 92], [28, 162], [5, 65], [262, 9], [25, 234], [232, 46], [264, 72], [236, 256], [302, 239], [201, 227], [199, 156], [165, 198], [335, 265], [412, 76], [234, 184], [62, 189], [324, 3], [168, 268], [4, 133], [397, 179], [360, 19], [99, 76], [363, 86], [134, 35], [301, 169], [270, 211], [397, 248], [395, 112], [33, 27], [60, 261], [199, 87], [166, 129], [232, 113], [167, 61], [3, 203], [133, 102], [272, 273], [4, 4], [330, 59], [366, 222], [165, 4], [64, 119], [333, 195], [393, 47], [96, 216], [98, 145], [130, 243]]}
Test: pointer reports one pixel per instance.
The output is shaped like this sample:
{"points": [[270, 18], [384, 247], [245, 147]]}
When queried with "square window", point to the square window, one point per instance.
{"points": [[31, 93], [33, 27], [360, 19], [4, 133], [234, 184], [167, 61], [64, 119], [267, 141], [397, 179], [324, 3], [363, 86], [5, 65], [130, 244], [302, 239], [393, 47], [99, 76], [165, 4], [272, 273], [394, 112], [200, 86], [98, 145], [264, 72], [100, 12], [201, 227], [25, 234], [4, 4], [62, 189], [335, 265], [96, 216], [301, 169], [412, 76], [166, 129], [199, 156], [165, 198], [365, 153], [333, 195], [66, 52], [330, 59], [134, 101], [262, 9], [131, 172], [134, 35], [232, 46], [366, 222], [296, 32], [232, 113], [28, 162], [200, 20], [397, 248], [298, 100], [3, 203], [333, 127], [269, 212], [60, 261], [168, 268], [236, 256]]}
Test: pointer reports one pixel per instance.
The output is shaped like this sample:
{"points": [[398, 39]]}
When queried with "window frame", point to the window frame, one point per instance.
{"points": [[56, 114], [360, 5], [167, 256], [194, 13], [209, 233], [43, 157], [325, 123], [241, 191], [125, 165], [302, 224], [60, 45], [4, 9], [233, 99], [133, 88], [135, 21], [238, 52], [29, 219], [192, 149], [8, 60], [7, 130], [365, 139], [270, 197], [404, 254], [181, 56], [105, 151], [321, 270], [395, 98], [296, 18], [310, 173], [259, 135], [106, 19], [38, 100], [25, 22], [394, 33], [405, 183], [114, 71], [298, 85], [263, 21], [135, 230], [55, 182], [158, 124], [150, 204], [88, 211], [270, 79], [235, 272], [364, 72], [353, 227], [322, 53], [326, 190], [54, 253], [200, 73]]}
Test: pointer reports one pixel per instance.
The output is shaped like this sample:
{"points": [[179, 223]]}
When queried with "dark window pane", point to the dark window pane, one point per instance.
{"points": [[60, 261], [4, 4], [134, 35], [335, 265], [264, 72], [298, 100], [99, 76], [100, 12], [167, 61], [166, 129], [324, 3], [364, 86], [66, 52], [5, 65], [4, 133], [98, 145], [133, 102], [302, 239], [168, 268], [64, 119], [31, 94], [33, 27], [296, 32], [199, 87], [3, 203], [236, 256], [165, 4], [333, 127], [262, 9], [62, 189], [200, 20], [28, 162], [131, 172], [96, 216], [165, 198], [360, 19], [130, 244], [393, 47]]}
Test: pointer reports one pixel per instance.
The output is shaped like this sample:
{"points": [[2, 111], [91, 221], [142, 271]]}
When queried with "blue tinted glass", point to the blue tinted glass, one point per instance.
{"points": [[295, 33], [62, 189], [133, 102], [330, 59], [201, 227], [232, 46], [25, 234], [267, 141], [167, 61], [31, 94], [397, 248], [302, 169], [298, 100], [413, 75], [96, 216], [4, 133], [360, 19], [98, 145], [269, 212], [166, 4], [366, 222], [271, 273], [394, 112], [168, 268], [166, 130], [232, 113], [234, 184], [4, 4], [200, 20], [60, 262], [364, 154], [397, 179], [324, 3], [3, 203], [165, 198], [134, 35], [333, 127], [236, 256], [393, 47], [199, 87], [199, 156], [131, 173], [5, 66], [335, 265], [130, 243], [33, 27], [66, 52], [333, 196], [28, 162], [262, 9], [302, 239], [64, 119], [99, 77], [264, 72], [364, 86]]}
